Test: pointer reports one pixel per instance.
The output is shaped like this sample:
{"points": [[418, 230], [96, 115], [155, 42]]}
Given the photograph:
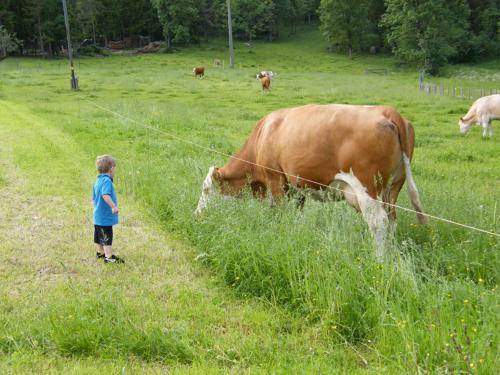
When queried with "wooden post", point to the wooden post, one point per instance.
{"points": [[74, 80], [421, 78], [230, 31]]}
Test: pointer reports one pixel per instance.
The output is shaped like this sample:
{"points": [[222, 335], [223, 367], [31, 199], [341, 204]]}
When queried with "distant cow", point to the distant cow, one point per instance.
{"points": [[265, 73], [217, 62], [199, 71], [266, 83], [483, 111], [327, 152]]}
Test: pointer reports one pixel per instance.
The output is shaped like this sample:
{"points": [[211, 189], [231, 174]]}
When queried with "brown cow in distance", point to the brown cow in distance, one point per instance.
{"points": [[199, 71], [266, 83], [362, 153]]}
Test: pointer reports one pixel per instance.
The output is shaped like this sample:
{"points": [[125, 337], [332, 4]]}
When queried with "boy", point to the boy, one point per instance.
{"points": [[105, 208]]}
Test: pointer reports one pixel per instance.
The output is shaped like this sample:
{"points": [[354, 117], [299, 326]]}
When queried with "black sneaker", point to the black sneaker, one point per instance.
{"points": [[113, 259], [99, 255]]}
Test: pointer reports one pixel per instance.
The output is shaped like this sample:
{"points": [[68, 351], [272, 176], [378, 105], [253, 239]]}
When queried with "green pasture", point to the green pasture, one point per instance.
{"points": [[245, 288]]}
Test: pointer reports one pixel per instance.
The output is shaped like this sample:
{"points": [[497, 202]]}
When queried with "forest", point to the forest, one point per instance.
{"points": [[428, 33]]}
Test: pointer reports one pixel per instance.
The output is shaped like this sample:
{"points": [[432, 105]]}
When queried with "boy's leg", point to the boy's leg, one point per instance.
{"points": [[108, 251], [100, 248], [97, 241]]}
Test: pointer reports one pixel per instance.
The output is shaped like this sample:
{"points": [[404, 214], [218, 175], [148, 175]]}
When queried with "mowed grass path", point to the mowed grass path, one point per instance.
{"points": [[327, 305]]}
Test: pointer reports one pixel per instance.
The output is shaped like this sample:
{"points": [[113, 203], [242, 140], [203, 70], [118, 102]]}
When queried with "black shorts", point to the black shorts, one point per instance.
{"points": [[103, 235]]}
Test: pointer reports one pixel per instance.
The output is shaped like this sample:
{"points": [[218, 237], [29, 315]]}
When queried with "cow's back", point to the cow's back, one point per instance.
{"points": [[316, 142], [488, 105]]}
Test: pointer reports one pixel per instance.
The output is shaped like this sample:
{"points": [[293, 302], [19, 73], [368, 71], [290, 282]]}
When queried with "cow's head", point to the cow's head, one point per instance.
{"points": [[464, 126], [208, 188]]}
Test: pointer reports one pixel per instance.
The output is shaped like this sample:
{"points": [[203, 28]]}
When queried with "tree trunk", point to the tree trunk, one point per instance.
{"points": [[169, 40], [93, 31], [40, 35]]}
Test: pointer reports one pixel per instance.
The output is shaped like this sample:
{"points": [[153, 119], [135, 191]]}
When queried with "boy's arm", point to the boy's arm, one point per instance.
{"points": [[109, 201]]}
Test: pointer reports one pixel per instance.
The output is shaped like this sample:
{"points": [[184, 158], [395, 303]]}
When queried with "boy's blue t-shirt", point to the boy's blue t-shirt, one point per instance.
{"points": [[103, 214]]}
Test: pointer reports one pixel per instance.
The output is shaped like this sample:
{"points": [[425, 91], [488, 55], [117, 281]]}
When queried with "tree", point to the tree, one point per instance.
{"points": [[8, 42], [252, 17], [484, 18], [180, 19], [345, 24], [87, 12], [311, 9], [428, 32]]}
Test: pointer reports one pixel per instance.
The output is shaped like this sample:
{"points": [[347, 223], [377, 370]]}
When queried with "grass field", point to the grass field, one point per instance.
{"points": [[246, 288]]}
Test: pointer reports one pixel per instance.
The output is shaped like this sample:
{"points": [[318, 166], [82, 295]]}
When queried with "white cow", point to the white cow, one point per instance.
{"points": [[482, 112]]}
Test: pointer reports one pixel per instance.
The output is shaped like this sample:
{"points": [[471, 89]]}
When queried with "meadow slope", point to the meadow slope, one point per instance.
{"points": [[278, 290]]}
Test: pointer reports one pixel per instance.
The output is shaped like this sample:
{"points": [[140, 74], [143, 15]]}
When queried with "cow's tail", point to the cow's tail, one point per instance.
{"points": [[406, 137]]}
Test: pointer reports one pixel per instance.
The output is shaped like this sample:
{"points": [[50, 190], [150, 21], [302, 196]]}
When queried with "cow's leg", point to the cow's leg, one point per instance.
{"points": [[392, 198], [372, 210], [276, 188], [301, 200], [293, 192], [490, 129], [486, 123]]}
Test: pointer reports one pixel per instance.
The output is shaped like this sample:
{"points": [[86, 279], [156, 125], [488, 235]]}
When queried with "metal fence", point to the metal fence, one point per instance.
{"points": [[448, 89]]}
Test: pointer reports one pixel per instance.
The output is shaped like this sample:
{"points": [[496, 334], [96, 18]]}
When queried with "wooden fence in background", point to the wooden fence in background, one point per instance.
{"points": [[449, 89]]}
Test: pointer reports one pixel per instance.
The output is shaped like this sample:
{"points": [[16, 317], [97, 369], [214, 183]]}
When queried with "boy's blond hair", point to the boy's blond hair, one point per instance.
{"points": [[104, 163]]}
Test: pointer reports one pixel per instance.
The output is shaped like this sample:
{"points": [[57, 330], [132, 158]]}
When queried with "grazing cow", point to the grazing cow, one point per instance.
{"points": [[199, 71], [265, 73], [329, 152], [482, 112], [217, 62], [266, 83]]}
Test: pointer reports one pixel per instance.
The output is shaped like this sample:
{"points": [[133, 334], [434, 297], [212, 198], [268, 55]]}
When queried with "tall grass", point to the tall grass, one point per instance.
{"points": [[432, 306]]}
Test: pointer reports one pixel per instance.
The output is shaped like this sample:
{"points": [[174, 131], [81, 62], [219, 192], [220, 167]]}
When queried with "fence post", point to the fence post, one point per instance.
{"points": [[435, 89], [421, 78], [442, 89]]}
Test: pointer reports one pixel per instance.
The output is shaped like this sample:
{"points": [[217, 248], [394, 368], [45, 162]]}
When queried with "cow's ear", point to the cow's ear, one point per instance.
{"points": [[461, 119]]}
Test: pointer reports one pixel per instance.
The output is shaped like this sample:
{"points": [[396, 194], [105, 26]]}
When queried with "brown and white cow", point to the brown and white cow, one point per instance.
{"points": [[199, 71], [266, 83], [361, 153], [482, 112]]}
